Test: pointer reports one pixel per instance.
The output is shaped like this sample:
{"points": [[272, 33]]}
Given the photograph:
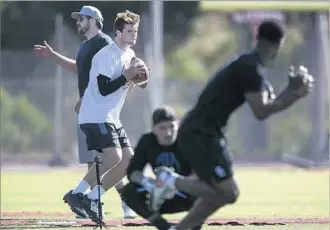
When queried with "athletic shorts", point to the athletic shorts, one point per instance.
{"points": [[207, 153], [179, 203], [104, 135], [85, 156]]}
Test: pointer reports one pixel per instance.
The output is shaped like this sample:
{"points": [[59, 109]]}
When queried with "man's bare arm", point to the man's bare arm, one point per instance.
{"points": [[300, 85], [263, 107], [46, 51], [66, 63]]}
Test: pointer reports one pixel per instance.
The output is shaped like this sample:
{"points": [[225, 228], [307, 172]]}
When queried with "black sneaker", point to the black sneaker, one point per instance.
{"points": [[74, 201], [92, 209]]}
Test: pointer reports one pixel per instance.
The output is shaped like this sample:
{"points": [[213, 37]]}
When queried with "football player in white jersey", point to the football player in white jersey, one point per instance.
{"points": [[112, 73]]}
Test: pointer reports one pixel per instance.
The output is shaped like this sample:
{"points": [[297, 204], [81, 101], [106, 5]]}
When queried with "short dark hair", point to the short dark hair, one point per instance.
{"points": [[271, 30], [123, 18], [164, 113], [98, 23]]}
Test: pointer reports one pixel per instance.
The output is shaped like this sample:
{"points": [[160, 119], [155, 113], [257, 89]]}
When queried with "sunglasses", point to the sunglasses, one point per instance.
{"points": [[81, 18]]}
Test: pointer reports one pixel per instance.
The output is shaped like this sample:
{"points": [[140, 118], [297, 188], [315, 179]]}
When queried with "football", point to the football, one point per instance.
{"points": [[141, 79]]}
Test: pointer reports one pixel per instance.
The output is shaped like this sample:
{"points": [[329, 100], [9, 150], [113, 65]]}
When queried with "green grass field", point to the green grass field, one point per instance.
{"points": [[272, 196]]}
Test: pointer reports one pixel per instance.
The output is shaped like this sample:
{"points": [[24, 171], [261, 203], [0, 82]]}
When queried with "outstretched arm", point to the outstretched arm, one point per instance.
{"points": [[263, 107], [258, 97], [66, 63], [46, 51]]}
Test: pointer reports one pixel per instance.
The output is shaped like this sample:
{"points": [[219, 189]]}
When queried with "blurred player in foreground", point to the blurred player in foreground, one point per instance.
{"points": [[157, 148], [114, 69], [201, 135], [89, 25]]}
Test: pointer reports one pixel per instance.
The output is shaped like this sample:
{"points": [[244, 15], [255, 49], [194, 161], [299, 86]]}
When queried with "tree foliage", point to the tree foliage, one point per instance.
{"points": [[210, 44], [34, 21], [23, 126]]}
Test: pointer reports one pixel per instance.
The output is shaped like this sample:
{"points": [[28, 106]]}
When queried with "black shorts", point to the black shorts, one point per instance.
{"points": [[207, 153], [179, 203], [104, 135]]}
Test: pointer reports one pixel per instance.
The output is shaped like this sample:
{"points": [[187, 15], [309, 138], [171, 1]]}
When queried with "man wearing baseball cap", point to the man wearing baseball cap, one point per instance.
{"points": [[90, 25], [92, 12]]}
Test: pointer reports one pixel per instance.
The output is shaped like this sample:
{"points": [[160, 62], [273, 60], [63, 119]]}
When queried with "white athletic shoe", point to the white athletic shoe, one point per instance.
{"points": [[128, 212]]}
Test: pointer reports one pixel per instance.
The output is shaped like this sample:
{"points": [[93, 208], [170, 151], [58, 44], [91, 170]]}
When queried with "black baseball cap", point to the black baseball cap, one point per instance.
{"points": [[164, 113], [271, 30]]}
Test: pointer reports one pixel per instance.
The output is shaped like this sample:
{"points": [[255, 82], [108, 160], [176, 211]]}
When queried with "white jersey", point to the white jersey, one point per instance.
{"points": [[95, 108]]}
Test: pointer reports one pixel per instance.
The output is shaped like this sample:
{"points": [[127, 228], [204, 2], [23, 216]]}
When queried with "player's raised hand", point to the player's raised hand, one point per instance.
{"points": [[295, 82], [297, 77], [300, 81], [307, 87], [141, 79], [133, 69], [44, 51]]}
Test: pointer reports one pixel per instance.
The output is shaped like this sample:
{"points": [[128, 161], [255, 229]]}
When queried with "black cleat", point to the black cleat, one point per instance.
{"points": [[92, 209], [74, 201]]}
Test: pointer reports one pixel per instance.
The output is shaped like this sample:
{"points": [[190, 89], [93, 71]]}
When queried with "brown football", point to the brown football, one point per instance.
{"points": [[141, 79]]}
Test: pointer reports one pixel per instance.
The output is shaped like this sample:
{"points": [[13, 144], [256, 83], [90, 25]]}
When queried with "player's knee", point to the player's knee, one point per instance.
{"points": [[128, 191], [232, 196], [90, 164], [114, 159], [130, 195], [128, 153], [227, 190], [227, 196], [112, 156]]}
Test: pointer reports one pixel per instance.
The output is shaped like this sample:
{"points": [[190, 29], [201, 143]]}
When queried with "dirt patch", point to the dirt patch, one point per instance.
{"points": [[22, 219], [36, 214]]}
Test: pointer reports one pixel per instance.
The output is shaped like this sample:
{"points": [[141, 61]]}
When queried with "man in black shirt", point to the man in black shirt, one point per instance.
{"points": [[201, 136], [157, 148], [89, 25]]}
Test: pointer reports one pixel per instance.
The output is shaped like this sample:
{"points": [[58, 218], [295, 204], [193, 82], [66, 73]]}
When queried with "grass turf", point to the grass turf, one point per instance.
{"points": [[266, 193]]}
